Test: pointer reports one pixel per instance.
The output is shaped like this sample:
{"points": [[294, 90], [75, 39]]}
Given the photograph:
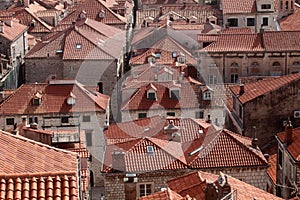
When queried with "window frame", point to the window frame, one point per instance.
{"points": [[173, 114], [63, 120], [85, 117], [248, 23], [88, 138], [265, 23], [232, 23], [142, 115], [138, 188], [199, 114], [11, 120]]}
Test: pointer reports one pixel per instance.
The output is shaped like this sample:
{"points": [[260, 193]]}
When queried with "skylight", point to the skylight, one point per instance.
{"points": [[150, 149], [78, 46]]}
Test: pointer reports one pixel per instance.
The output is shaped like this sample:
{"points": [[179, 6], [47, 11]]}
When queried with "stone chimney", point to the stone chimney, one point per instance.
{"points": [[26, 3], [211, 191], [288, 137], [170, 129], [254, 143], [242, 89], [118, 161], [1, 27]]}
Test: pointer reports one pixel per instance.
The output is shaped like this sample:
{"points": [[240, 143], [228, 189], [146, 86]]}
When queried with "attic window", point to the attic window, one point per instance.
{"points": [[266, 6], [37, 99], [151, 95], [78, 46], [71, 99], [207, 95], [150, 149]]}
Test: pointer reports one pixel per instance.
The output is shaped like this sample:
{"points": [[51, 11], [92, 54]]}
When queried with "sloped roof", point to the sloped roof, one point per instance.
{"points": [[194, 184], [292, 21], [292, 148], [209, 148], [92, 9], [13, 32], [95, 39], [232, 6], [54, 99], [20, 155], [281, 40], [167, 194], [256, 89], [34, 186]]}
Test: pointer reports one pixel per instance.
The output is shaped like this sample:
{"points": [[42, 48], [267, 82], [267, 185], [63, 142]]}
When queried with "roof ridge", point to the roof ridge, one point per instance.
{"points": [[19, 137], [37, 18]]}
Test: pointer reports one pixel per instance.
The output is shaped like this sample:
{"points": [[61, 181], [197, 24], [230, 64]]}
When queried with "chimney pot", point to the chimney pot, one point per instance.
{"points": [[242, 89], [288, 133], [254, 143]]}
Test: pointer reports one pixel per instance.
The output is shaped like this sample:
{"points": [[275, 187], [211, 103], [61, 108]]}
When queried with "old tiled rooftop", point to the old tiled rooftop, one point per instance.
{"points": [[13, 32], [54, 99], [292, 21], [194, 185], [292, 148], [256, 89], [198, 149], [232, 6]]}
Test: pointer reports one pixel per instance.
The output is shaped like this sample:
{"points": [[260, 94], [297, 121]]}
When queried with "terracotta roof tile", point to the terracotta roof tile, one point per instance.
{"points": [[281, 40], [13, 32], [194, 184], [292, 148], [167, 194], [54, 99], [256, 89], [233, 6], [292, 21]]}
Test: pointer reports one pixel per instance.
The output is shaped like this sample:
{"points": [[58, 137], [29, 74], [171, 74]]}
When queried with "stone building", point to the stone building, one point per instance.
{"points": [[13, 48], [82, 52], [203, 185], [142, 155], [259, 109], [288, 166], [227, 57]]}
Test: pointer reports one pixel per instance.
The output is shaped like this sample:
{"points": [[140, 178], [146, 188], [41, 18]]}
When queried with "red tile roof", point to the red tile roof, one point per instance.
{"points": [[292, 148], [281, 40], [256, 89], [292, 21], [167, 194], [195, 183], [54, 99], [236, 43], [20, 155], [95, 38], [92, 9], [39, 186], [209, 148], [233, 6], [272, 170], [13, 32]]}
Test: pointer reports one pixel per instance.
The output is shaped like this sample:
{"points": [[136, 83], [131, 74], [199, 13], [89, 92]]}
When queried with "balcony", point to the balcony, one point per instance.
{"points": [[66, 136]]}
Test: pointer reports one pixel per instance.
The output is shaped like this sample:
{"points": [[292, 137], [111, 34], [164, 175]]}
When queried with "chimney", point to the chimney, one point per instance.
{"points": [[254, 143], [208, 119], [170, 129], [65, 4], [226, 189], [118, 161], [242, 89], [100, 87], [288, 133], [1, 27], [26, 3], [211, 191], [33, 125]]}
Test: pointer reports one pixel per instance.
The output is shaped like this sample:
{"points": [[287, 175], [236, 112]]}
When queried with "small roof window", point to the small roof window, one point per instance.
{"points": [[78, 46], [150, 149]]}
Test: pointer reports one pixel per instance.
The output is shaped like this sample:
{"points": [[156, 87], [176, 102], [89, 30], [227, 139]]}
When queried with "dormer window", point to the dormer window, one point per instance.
{"points": [[82, 15], [266, 6], [181, 59], [151, 95], [150, 150], [151, 60], [78, 46], [175, 94], [101, 14], [207, 95], [158, 55], [37, 99]]}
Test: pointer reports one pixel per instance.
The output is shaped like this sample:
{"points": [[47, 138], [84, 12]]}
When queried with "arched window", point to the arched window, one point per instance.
{"points": [[276, 64], [296, 63], [234, 64], [254, 64]]}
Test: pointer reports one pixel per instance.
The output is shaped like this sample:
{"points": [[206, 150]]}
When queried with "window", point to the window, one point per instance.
{"points": [[33, 120], [142, 115], [207, 95], [250, 21], [240, 111], [212, 79], [150, 149], [234, 64], [36, 101], [171, 114], [65, 120], [88, 138], [158, 55], [181, 59], [234, 78], [296, 64], [174, 54], [199, 115], [145, 189], [71, 68], [233, 22], [213, 65], [175, 94], [276, 64], [10, 121], [265, 21], [78, 46], [280, 158], [151, 96], [254, 64], [286, 5], [86, 118], [266, 6]]}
